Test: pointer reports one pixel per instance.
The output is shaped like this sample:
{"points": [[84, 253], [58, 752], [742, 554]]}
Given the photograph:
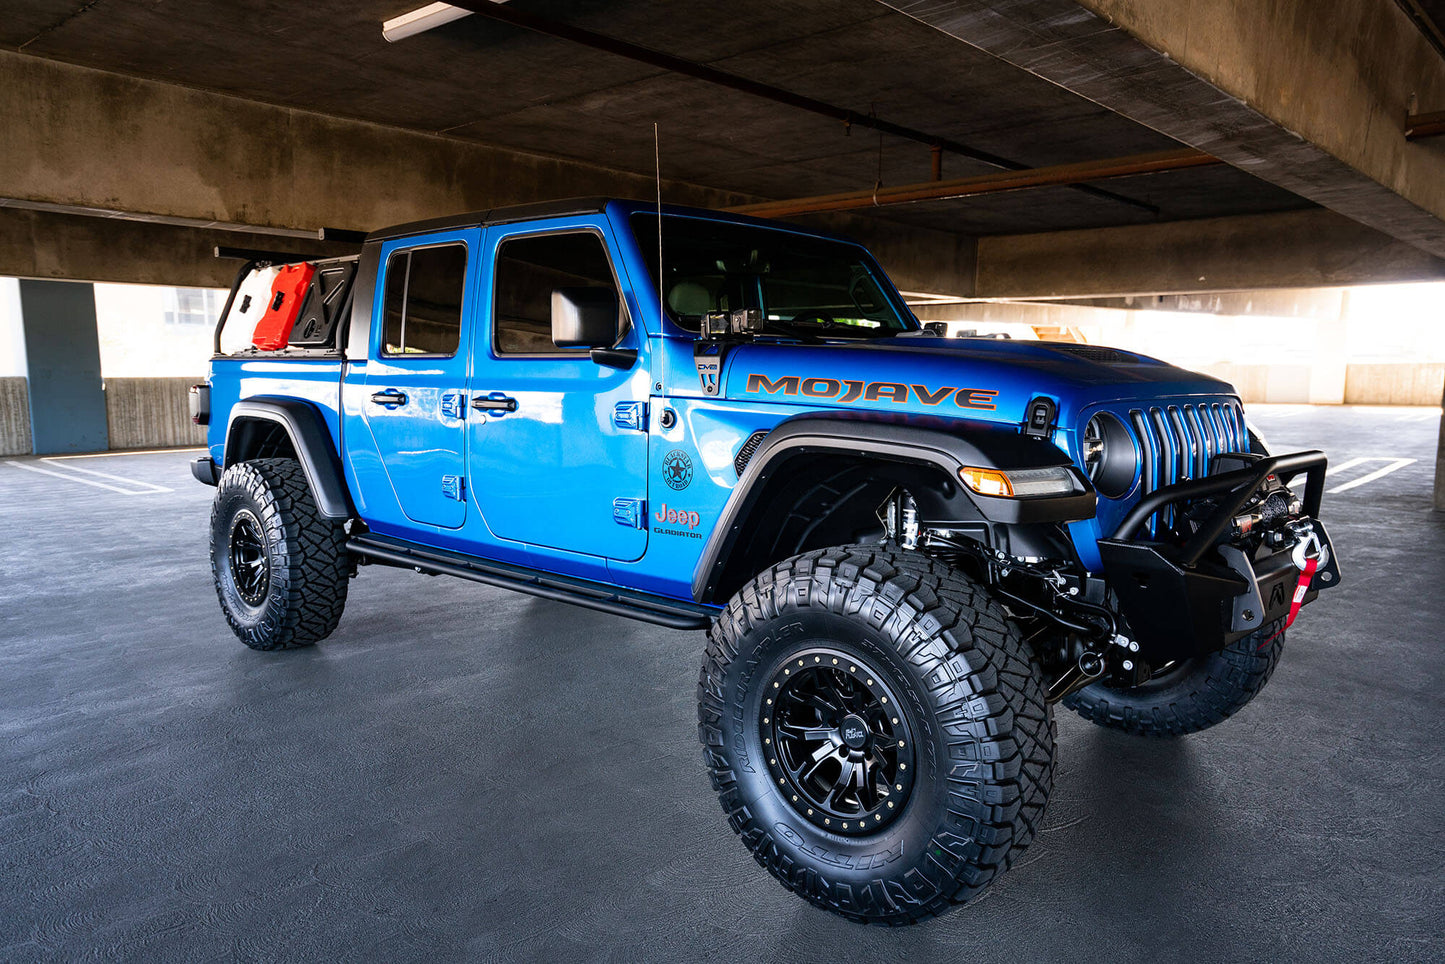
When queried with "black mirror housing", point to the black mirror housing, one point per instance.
{"points": [[584, 317]]}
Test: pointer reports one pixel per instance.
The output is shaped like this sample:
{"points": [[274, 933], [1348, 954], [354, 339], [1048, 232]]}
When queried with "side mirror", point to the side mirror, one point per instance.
{"points": [[584, 317]]}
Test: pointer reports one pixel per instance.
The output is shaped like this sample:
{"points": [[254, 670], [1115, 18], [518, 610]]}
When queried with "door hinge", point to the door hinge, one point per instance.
{"points": [[454, 487], [630, 512], [630, 415], [454, 405]]}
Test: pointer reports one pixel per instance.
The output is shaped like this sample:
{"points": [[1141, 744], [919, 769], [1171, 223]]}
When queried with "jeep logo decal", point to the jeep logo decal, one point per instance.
{"points": [[849, 390], [676, 522]]}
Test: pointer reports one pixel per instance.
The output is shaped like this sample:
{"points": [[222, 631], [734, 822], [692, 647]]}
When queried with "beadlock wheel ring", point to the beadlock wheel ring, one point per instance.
{"points": [[835, 777], [247, 559]]}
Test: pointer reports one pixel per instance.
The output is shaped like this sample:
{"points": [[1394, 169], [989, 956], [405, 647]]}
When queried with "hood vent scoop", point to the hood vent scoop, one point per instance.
{"points": [[1093, 353]]}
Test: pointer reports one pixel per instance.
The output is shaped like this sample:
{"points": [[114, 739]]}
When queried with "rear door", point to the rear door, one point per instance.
{"points": [[414, 399], [558, 450]]}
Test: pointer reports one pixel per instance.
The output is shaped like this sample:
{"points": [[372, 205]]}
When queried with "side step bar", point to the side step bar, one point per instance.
{"points": [[619, 602]]}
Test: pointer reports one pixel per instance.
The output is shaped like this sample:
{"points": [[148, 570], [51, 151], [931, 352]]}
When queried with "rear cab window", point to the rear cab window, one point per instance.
{"points": [[422, 311]]}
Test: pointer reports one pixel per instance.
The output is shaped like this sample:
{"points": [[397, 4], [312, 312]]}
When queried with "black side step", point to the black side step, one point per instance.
{"points": [[619, 602]]}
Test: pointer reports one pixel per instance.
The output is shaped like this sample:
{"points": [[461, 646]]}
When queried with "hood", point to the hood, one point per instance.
{"points": [[956, 377]]}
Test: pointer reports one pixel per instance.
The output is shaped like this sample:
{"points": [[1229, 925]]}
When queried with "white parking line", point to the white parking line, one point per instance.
{"points": [[151, 486], [150, 489], [124, 452], [1344, 465], [1371, 477]]}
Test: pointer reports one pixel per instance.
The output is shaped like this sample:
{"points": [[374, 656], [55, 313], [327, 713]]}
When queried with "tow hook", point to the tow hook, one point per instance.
{"points": [[1308, 547]]}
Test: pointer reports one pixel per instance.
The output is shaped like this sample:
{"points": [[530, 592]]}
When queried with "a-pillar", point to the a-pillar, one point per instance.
{"points": [[62, 351]]}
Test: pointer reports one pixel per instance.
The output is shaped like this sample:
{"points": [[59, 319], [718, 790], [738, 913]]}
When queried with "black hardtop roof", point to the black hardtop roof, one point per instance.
{"points": [[515, 212], [538, 210]]}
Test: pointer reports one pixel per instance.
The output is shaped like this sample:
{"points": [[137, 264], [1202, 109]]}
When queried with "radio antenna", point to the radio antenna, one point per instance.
{"points": [[657, 161]]}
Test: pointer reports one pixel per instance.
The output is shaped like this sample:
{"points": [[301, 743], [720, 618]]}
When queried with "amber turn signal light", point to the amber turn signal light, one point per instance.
{"points": [[986, 481]]}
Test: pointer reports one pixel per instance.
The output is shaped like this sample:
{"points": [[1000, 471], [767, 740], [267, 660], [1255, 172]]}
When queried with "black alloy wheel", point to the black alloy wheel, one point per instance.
{"points": [[842, 746], [250, 566]]}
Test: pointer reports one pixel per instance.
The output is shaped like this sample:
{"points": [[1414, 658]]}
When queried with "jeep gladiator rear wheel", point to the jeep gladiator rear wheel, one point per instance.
{"points": [[1187, 696], [876, 730], [280, 568]]}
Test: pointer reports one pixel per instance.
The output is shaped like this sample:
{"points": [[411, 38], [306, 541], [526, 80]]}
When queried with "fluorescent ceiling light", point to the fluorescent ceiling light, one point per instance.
{"points": [[421, 20]]}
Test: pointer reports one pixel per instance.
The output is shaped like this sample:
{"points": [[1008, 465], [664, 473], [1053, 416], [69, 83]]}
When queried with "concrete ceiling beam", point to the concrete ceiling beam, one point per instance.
{"points": [[1310, 95], [1294, 249]]}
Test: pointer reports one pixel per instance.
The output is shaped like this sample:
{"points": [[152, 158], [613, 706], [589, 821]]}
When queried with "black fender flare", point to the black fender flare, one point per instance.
{"points": [[940, 446], [311, 439]]}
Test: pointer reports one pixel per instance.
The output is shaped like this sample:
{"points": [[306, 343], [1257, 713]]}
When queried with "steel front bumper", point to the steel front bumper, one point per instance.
{"points": [[1183, 601]]}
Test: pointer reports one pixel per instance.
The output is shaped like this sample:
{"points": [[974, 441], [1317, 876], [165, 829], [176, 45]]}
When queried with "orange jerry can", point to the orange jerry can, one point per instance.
{"points": [[288, 291]]}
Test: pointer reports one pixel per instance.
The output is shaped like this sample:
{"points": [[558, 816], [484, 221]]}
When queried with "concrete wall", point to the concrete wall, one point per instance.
{"points": [[148, 413], [1394, 384], [14, 417], [1365, 384], [104, 141]]}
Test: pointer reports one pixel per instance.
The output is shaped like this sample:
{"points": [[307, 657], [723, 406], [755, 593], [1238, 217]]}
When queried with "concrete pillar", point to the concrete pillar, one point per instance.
{"points": [[1440, 463], [62, 351], [1327, 371]]}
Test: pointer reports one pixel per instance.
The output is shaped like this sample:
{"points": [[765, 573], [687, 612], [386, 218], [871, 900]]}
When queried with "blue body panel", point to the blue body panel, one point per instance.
{"points": [[541, 482], [317, 381]]}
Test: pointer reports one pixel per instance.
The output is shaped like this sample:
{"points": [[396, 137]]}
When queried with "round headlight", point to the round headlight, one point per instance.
{"points": [[1110, 456]]}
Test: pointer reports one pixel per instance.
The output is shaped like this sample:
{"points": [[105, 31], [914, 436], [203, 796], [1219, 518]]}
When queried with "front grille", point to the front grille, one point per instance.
{"points": [[1178, 442]]}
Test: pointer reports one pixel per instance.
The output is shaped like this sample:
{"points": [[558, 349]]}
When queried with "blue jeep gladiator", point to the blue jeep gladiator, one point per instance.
{"points": [[904, 548]]}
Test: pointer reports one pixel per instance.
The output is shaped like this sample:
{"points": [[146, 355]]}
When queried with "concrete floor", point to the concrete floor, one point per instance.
{"points": [[465, 773]]}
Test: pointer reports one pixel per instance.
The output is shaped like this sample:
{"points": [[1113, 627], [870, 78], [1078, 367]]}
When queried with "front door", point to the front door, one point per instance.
{"points": [[415, 399], [558, 453]]}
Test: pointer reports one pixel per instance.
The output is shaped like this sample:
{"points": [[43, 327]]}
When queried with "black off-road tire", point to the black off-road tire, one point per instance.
{"points": [[970, 694], [1192, 696], [300, 593]]}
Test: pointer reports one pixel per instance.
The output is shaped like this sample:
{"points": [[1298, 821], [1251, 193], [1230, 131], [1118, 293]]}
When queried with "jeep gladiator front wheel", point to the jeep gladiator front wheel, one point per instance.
{"points": [[876, 730], [280, 568]]}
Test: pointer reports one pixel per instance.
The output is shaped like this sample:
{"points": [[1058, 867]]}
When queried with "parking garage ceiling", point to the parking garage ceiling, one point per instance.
{"points": [[506, 86]]}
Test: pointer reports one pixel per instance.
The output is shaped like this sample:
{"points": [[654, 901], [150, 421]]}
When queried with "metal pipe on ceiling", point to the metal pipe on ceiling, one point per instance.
{"points": [[1424, 125], [1059, 175], [506, 13]]}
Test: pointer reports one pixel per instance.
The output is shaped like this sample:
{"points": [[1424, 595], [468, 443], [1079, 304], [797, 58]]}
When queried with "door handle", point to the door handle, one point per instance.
{"points": [[495, 402], [390, 398]]}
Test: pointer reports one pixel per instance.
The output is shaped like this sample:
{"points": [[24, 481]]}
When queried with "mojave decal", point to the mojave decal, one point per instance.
{"points": [[847, 390]]}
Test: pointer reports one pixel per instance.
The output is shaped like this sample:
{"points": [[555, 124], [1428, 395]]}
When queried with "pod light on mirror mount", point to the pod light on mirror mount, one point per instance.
{"points": [[1019, 483]]}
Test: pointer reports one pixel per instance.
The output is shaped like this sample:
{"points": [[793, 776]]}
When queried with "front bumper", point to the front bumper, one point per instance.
{"points": [[1186, 600]]}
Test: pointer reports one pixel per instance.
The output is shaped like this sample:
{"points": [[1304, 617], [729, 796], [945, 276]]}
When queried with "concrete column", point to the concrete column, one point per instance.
{"points": [[1327, 371], [1440, 463], [62, 350]]}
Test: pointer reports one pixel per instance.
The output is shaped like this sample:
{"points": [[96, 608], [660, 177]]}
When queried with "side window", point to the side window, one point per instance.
{"points": [[528, 269], [423, 307]]}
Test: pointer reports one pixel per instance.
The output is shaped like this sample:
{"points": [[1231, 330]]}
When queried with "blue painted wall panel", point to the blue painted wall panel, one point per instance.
{"points": [[62, 347]]}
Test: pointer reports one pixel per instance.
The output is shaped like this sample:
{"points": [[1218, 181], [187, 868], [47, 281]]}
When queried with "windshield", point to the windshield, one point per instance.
{"points": [[807, 286]]}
